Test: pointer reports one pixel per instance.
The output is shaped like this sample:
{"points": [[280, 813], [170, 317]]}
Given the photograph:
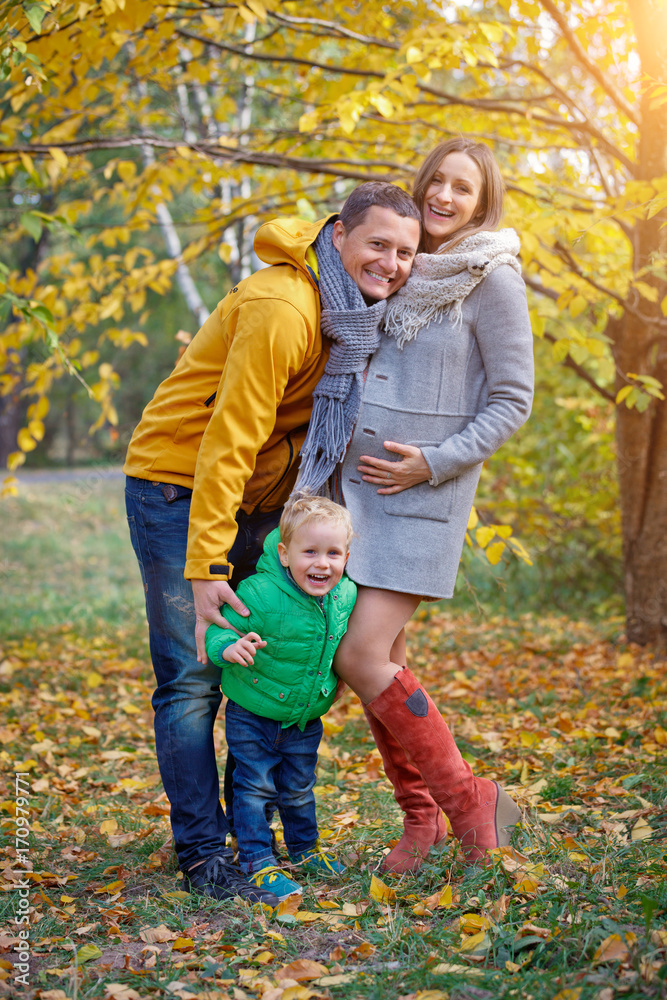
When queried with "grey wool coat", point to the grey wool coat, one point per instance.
{"points": [[458, 393]]}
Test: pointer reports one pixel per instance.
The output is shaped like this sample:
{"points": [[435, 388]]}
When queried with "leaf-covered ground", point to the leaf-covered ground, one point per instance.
{"points": [[573, 725]]}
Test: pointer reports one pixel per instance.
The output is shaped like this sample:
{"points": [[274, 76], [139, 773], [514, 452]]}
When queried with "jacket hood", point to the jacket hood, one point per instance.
{"points": [[269, 563], [286, 241]]}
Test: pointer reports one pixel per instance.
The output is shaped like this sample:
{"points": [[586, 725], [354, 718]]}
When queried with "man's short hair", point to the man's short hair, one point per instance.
{"points": [[382, 194], [304, 507]]}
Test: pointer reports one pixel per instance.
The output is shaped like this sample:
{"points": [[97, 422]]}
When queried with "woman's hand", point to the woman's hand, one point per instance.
{"points": [[394, 477]]}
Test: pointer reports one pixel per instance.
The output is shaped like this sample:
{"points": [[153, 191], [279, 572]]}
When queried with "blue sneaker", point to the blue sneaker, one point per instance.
{"points": [[317, 861], [271, 879]]}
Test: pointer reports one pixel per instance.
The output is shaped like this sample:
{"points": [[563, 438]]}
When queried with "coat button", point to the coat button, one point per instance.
{"points": [[281, 695], [335, 597], [254, 680], [319, 673], [310, 673], [330, 638]]}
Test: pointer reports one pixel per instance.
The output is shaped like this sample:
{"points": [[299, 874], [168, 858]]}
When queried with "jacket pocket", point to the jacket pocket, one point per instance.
{"points": [[432, 502], [271, 694]]}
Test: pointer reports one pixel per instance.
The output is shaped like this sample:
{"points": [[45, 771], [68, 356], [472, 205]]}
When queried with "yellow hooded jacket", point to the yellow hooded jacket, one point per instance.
{"points": [[230, 420]]}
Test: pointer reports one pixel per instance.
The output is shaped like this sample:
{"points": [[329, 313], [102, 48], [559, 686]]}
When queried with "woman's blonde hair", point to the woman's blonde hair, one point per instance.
{"points": [[490, 206], [304, 507]]}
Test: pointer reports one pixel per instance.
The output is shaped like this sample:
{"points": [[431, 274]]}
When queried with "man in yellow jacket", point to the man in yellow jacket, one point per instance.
{"points": [[209, 468]]}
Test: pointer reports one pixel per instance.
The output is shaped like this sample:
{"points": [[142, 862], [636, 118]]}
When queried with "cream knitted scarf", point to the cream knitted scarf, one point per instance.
{"points": [[439, 283]]}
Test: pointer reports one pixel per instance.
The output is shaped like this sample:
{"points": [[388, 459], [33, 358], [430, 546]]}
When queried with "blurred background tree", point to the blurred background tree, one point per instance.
{"points": [[142, 143]]}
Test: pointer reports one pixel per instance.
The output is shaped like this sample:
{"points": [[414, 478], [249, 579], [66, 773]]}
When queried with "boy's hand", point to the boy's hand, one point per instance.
{"points": [[243, 650]]}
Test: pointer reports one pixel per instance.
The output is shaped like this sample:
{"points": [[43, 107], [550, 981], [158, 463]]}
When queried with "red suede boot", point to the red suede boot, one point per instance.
{"points": [[424, 825], [481, 814]]}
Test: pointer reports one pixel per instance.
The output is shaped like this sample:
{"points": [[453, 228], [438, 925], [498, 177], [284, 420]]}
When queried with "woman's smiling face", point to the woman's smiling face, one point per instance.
{"points": [[451, 198]]}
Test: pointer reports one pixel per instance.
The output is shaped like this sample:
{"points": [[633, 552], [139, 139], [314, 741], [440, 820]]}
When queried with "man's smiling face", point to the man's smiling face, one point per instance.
{"points": [[378, 253]]}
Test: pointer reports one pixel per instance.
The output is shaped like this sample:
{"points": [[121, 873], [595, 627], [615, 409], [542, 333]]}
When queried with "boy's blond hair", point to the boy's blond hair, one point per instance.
{"points": [[304, 507]]}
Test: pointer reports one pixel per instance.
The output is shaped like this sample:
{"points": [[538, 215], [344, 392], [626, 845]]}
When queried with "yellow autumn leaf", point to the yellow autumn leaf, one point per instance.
{"points": [[494, 552], [483, 535], [612, 949], [119, 991], [121, 839], [301, 968], [183, 944], [25, 440], [88, 953], [380, 891], [297, 993], [473, 520], [641, 830], [472, 923], [112, 888], [475, 942], [15, 460], [157, 935], [108, 826]]}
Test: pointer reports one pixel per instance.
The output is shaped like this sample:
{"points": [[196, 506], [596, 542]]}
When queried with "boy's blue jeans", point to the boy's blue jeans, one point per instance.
{"points": [[188, 695], [272, 763]]}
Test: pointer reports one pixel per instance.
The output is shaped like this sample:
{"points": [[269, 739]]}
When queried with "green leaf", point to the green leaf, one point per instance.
{"points": [[649, 906], [42, 313], [87, 953], [35, 14], [32, 224]]}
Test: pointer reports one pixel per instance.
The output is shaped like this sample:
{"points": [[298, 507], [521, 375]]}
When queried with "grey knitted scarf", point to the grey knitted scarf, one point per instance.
{"points": [[354, 329], [440, 282]]}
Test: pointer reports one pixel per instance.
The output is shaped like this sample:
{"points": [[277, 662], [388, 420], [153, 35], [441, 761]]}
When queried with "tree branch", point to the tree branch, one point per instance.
{"points": [[582, 57], [338, 29], [451, 99], [291, 60], [232, 154], [568, 361], [566, 255]]}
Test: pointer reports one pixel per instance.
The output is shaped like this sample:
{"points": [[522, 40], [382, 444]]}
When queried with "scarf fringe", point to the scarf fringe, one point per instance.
{"points": [[353, 328], [325, 441]]}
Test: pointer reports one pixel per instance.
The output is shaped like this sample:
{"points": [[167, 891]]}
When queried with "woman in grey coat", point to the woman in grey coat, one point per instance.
{"points": [[450, 382]]}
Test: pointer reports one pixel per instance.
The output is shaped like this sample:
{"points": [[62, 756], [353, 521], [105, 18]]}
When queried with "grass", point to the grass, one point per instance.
{"points": [[573, 723]]}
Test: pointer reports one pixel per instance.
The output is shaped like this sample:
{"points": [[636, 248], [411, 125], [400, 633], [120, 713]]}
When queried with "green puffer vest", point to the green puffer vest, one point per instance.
{"points": [[292, 680]]}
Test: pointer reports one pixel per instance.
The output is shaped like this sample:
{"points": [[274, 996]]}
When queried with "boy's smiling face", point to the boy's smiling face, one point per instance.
{"points": [[316, 556]]}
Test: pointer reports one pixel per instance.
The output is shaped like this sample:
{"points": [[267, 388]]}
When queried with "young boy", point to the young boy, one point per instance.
{"points": [[279, 680]]}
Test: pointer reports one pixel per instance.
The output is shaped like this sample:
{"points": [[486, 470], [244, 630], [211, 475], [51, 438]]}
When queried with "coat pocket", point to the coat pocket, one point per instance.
{"points": [[432, 502], [272, 696]]}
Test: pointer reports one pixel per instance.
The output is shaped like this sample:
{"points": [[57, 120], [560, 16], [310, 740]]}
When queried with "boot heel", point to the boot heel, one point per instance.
{"points": [[508, 815]]}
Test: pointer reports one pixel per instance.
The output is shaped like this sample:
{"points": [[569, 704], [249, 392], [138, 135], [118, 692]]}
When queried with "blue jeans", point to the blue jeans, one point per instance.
{"points": [[272, 763], [187, 696]]}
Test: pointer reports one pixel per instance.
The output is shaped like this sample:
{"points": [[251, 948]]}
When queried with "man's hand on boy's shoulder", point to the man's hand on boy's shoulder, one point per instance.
{"points": [[243, 650]]}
